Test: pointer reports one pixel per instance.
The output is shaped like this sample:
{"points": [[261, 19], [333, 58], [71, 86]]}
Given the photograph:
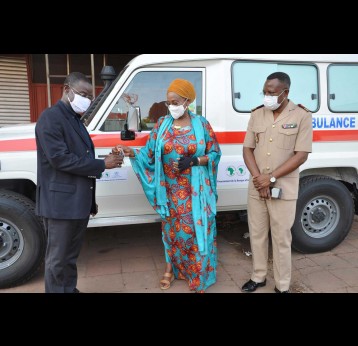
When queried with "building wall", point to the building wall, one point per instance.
{"points": [[23, 88], [14, 90], [59, 66]]}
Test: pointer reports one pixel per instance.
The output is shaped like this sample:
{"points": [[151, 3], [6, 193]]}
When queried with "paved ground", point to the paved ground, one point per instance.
{"points": [[131, 259]]}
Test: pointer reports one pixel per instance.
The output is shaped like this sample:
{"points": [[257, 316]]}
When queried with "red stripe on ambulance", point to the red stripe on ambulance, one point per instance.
{"points": [[111, 140]]}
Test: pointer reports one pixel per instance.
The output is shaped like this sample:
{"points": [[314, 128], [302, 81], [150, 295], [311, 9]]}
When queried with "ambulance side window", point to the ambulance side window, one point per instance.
{"points": [[148, 90], [343, 88], [249, 79]]}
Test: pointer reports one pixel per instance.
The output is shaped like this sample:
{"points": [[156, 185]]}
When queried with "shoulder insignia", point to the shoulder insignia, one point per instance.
{"points": [[303, 107], [254, 109]]}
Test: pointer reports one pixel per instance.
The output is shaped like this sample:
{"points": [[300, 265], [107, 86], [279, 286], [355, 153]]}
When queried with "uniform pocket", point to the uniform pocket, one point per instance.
{"points": [[287, 138], [260, 133]]}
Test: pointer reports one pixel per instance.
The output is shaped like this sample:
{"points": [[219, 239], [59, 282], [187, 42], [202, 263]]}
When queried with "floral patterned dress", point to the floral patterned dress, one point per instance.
{"points": [[180, 224]]}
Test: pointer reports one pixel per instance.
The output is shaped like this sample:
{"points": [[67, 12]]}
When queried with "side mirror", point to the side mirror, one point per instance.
{"points": [[133, 124]]}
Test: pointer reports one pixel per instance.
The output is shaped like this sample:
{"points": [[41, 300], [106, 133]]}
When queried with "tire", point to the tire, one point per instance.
{"points": [[324, 214], [22, 239]]}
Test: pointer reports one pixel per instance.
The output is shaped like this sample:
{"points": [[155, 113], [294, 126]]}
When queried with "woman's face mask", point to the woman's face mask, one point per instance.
{"points": [[80, 103], [271, 101], [177, 111]]}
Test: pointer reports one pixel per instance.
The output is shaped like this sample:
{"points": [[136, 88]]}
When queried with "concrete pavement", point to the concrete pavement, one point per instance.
{"points": [[130, 259]]}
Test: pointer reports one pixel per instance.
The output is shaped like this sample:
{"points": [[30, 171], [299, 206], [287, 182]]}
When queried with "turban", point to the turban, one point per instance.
{"points": [[183, 88]]}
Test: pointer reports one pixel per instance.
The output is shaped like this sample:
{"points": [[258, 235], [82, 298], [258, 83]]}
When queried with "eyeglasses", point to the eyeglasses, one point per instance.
{"points": [[91, 98]]}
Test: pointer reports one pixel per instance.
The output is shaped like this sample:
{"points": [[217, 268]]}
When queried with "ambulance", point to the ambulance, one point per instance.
{"points": [[228, 86]]}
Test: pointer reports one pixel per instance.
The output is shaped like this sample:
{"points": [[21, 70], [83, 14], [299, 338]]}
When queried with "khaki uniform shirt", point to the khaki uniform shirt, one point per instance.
{"points": [[276, 141]]}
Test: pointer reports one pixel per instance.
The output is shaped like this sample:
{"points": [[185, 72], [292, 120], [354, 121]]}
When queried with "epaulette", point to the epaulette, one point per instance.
{"points": [[303, 107], [254, 109]]}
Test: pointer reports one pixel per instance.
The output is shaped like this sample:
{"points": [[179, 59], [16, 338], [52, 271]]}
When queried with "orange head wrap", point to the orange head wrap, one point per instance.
{"points": [[183, 88]]}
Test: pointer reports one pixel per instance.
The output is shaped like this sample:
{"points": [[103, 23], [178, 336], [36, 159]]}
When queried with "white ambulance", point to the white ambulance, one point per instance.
{"points": [[228, 87]]}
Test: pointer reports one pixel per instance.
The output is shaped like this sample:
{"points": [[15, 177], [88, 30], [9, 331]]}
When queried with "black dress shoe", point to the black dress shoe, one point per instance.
{"points": [[278, 291], [75, 290], [251, 286]]}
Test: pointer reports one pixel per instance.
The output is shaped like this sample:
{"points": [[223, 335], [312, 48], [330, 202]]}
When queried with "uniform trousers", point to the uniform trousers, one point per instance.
{"points": [[64, 242], [278, 216]]}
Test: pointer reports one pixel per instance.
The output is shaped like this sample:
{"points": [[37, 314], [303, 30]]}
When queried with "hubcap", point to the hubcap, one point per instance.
{"points": [[11, 244], [320, 217]]}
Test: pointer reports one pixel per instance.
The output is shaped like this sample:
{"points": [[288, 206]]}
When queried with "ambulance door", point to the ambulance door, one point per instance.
{"points": [[119, 192]]}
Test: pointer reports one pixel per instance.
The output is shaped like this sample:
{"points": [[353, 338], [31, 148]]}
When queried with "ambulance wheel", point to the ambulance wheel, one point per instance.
{"points": [[22, 239], [324, 214]]}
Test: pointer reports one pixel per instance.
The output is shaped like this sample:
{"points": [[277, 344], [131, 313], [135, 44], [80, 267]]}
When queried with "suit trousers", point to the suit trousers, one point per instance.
{"points": [[64, 242], [278, 216]]}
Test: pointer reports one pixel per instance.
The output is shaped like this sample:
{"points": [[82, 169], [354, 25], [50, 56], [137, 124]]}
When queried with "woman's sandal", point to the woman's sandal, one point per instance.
{"points": [[166, 282]]}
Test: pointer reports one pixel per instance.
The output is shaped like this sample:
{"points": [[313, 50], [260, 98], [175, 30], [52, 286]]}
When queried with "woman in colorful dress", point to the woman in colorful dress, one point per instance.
{"points": [[178, 172]]}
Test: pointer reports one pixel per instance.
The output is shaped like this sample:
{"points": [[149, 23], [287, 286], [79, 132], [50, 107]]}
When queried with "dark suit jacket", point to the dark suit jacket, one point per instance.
{"points": [[66, 167]]}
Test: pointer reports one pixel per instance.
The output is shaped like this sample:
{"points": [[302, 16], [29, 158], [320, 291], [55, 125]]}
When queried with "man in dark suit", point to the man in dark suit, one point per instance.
{"points": [[66, 181]]}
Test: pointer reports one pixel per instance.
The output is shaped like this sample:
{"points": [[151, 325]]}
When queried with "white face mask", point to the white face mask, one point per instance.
{"points": [[271, 101], [176, 111], [79, 104]]}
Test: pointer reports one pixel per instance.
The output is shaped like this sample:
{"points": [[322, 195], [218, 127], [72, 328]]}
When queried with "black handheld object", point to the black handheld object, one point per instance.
{"points": [[186, 162], [127, 135]]}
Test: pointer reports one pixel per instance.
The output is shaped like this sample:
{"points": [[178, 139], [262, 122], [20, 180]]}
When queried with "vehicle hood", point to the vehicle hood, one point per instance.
{"points": [[17, 131]]}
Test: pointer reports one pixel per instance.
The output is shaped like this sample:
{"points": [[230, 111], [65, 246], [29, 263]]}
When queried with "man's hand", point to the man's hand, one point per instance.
{"points": [[265, 193], [261, 181], [123, 149], [262, 185], [95, 213], [113, 161]]}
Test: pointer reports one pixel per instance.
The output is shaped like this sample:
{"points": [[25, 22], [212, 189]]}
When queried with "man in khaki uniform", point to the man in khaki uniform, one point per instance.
{"points": [[277, 142]]}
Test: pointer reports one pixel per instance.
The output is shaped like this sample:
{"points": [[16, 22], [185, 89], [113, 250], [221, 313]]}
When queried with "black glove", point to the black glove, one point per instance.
{"points": [[186, 162]]}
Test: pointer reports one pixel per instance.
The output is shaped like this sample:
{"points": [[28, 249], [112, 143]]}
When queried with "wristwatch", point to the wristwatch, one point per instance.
{"points": [[272, 179]]}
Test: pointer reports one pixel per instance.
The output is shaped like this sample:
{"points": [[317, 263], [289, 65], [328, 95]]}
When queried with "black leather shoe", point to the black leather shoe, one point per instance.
{"points": [[251, 286], [278, 291], [75, 290]]}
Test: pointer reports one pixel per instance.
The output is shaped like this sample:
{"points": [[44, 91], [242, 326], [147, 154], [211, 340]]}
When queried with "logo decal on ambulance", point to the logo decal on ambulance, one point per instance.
{"points": [[241, 170], [230, 171]]}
